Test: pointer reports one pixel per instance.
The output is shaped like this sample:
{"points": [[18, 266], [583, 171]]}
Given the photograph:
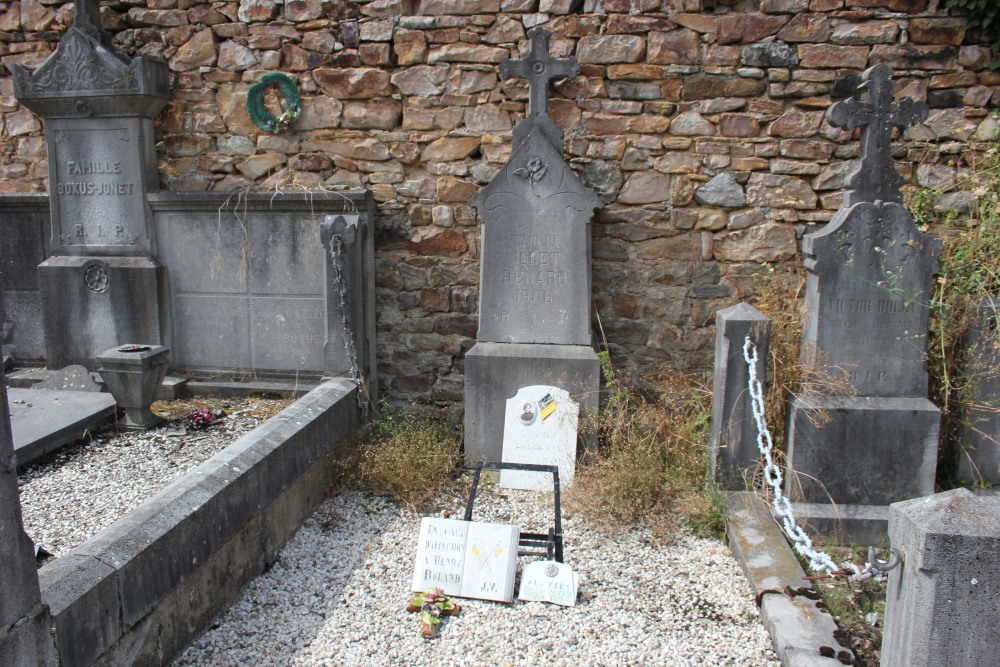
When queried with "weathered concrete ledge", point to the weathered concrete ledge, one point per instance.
{"points": [[797, 627], [140, 590]]}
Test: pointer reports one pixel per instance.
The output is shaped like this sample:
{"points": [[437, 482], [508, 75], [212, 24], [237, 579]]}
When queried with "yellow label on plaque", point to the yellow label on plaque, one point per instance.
{"points": [[546, 406]]}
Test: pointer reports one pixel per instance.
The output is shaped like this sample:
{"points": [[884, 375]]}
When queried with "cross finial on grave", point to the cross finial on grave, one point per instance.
{"points": [[876, 179], [88, 16], [539, 68]]}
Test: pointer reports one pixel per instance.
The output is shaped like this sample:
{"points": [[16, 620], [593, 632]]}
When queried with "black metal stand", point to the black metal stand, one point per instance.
{"points": [[552, 542]]}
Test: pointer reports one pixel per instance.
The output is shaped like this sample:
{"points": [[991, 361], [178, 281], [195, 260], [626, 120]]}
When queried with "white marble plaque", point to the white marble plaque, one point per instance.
{"points": [[467, 558], [549, 581], [539, 427], [490, 562], [440, 555]]}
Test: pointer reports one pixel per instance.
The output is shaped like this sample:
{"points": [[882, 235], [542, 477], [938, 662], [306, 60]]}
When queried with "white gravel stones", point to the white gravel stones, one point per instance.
{"points": [[337, 595], [69, 497]]}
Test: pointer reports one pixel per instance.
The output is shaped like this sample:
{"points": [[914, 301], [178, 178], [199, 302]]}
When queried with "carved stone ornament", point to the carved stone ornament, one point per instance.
{"points": [[87, 64]]}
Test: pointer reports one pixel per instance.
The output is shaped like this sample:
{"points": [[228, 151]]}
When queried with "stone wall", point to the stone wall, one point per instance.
{"points": [[700, 122]]}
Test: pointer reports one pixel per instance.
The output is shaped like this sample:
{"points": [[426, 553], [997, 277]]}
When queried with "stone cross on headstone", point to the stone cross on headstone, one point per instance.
{"points": [[539, 68], [876, 179]]}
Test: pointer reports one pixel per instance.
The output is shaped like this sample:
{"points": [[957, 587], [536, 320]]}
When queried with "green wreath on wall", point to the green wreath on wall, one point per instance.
{"points": [[259, 114]]}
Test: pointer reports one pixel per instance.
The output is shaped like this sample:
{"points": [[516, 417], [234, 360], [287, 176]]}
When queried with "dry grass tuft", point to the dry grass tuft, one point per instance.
{"points": [[651, 459], [407, 457]]}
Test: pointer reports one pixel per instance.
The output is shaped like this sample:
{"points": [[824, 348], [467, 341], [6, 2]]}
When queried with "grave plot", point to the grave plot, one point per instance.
{"points": [[71, 495], [338, 592]]}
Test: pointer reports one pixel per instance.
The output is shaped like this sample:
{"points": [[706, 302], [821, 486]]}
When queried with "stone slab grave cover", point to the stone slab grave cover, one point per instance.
{"points": [[549, 581], [102, 285], [535, 305], [43, 420], [868, 283], [71, 378], [539, 427], [467, 559]]}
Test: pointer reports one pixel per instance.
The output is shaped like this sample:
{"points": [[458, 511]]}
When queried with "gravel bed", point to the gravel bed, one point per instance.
{"points": [[71, 495], [337, 596]]}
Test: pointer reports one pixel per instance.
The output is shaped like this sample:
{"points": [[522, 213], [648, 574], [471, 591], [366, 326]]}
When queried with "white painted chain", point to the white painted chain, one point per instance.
{"points": [[818, 561]]}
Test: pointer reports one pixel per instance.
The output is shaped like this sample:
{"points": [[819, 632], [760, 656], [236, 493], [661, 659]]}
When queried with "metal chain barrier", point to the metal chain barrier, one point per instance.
{"points": [[818, 561]]}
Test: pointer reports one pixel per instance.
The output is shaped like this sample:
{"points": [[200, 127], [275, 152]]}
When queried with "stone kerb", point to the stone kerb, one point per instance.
{"points": [[143, 588]]}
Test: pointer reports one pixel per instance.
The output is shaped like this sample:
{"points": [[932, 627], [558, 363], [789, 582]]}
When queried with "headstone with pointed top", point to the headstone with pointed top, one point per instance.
{"points": [[867, 435], [535, 308], [100, 285]]}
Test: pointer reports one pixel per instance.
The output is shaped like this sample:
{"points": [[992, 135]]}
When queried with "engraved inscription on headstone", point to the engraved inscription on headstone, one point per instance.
{"points": [[866, 301], [549, 581], [440, 555], [539, 427], [101, 200]]}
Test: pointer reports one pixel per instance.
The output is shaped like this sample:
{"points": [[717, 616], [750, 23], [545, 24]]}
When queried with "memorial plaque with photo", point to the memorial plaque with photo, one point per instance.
{"points": [[540, 425]]}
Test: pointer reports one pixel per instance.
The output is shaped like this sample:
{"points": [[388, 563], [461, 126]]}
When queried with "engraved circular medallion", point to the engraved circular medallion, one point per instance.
{"points": [[538, 67], [551, 570], [96, 278], [528, 413]]}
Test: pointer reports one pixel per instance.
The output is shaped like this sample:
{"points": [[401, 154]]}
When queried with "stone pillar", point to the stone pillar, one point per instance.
{"points": [[979, 433], [733, 450], [24, 621], [943, 603], [101, 286], [349, 293]]}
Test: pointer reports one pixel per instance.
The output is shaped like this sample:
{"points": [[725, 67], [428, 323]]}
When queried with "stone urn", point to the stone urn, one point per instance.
{"points": [[133, 374]]}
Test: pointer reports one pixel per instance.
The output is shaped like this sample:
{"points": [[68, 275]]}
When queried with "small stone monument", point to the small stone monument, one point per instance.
{"points": [[100, 285], [534, 307], [868, 283], [941, 604], [133, 375]]}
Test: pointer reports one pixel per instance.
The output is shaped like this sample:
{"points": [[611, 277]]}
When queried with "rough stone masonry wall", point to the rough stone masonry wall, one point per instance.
{"points": [[403, 97]]}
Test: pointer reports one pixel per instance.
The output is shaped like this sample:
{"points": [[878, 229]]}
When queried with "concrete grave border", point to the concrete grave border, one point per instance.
{"points": [[140, 590], [796, 626]]}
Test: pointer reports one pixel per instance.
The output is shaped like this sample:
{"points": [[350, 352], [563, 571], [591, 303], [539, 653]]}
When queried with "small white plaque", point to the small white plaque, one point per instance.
{"points": [[540, 425], [549, 581]]}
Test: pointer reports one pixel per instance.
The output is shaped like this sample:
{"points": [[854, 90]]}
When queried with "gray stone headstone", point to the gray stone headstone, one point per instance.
{"points": [[534, 305], [24, 224], [979, 432], [71, 378], [733, 450], [867, 435], [941, 604], [98, 107], [535, 265]]}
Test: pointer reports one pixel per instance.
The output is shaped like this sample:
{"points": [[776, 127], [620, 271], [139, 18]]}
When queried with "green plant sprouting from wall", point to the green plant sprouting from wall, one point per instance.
{"points": [[983, 15], [969, 273]]}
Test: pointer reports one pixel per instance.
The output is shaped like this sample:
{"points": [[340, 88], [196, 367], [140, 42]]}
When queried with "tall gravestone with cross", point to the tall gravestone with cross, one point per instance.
{"points": [[101, 285], [534, 306], [868, 435]]}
